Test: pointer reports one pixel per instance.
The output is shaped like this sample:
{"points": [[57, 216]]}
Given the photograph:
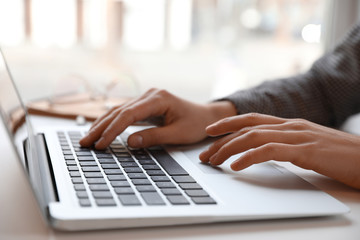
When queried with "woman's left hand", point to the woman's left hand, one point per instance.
{"points": [[327, 151]]}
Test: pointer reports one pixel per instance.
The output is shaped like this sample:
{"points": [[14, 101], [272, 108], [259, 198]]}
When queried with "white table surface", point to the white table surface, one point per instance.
{"points": [[20, 217]]}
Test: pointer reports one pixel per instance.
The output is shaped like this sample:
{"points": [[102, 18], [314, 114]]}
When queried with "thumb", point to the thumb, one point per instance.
{"points": [[154, 136]]}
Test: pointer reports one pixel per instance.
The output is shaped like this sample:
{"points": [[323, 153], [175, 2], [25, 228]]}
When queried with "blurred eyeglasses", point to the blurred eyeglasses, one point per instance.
{"points": [[75, 89]]}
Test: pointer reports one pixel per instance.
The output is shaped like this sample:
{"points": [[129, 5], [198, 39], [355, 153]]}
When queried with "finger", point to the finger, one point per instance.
{"points": [[105, 115], [205, 155], [254, 139], [121, 106], [215, 146], [271, 151], [97, 130], [139, 111], [95, 133], [235, 123]]}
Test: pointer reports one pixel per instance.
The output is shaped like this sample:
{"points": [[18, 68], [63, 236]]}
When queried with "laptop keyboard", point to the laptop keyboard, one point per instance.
{"points": [[129, 177]]}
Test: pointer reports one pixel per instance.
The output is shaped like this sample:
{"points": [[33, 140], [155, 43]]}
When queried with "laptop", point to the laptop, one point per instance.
{"points": [[85, 189]]}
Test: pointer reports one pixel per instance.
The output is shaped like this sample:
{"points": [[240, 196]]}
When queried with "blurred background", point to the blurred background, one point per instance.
{"points": [[198, 49]]}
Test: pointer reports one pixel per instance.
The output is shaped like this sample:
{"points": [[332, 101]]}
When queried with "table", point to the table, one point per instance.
{"points": [[20, 217]]}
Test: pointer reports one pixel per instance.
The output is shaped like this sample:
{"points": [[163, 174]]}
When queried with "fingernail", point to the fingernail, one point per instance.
{"points": [[136, 141], [233, 166], [212, 160]]}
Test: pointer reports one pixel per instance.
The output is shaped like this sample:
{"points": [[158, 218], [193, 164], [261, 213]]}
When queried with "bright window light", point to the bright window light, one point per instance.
{"points": [[95, 23], [311, 33], [144, 26], [54, 22], [12, 30], [250, 18], [180, 23]]}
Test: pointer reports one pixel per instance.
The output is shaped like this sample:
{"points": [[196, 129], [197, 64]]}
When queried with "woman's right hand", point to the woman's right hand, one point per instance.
{"points": [[184, 121]]}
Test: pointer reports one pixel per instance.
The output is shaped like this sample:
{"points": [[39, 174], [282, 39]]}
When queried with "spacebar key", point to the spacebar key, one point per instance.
{"points": [[168, 163]]}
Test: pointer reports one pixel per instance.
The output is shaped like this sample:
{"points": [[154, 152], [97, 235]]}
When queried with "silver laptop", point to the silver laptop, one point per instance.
{"points": [[85, 189]]}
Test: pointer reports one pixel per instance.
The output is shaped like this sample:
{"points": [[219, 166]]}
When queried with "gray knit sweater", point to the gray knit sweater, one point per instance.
{"points": [[327, 94]]}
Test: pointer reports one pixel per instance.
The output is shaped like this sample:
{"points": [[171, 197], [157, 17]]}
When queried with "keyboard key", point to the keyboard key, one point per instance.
{"points": [[133, 170], [91, 169], [87, 158], [113, 171], [125, 159], [120, 184], [67, 153], [136, 175], [152, 198], [88, 164], [77, 180], [184, 179], [155, 172], [122, 154], [104, 155], [97, 152], [75, 174], [178, 200], [196, 193], [79, 187], [99, 187], [160, 178], [170, 191], [124, 190], [151, 167], [129, 164], [105, 202], [187, 186], [168, 163], [73, 168], [165, 185], [139, 152], [147, 162], [85, 202], [117, 146], [116, 177], [141, 182], [203, 200], [129, 200], [142, 157], [81, 154], [93, 175], [96, 181], [120, 149], [145, 188], [106, 160], [70, 163], [69, 157], [82, 194], [102, 194], [109, 166]]}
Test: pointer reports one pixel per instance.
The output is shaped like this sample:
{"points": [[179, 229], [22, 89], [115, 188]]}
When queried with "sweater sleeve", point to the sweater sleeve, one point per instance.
{"points": [[327, 94]]}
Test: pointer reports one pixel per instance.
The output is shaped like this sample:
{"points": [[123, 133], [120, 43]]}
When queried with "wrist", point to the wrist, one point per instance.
{"points": [[222, 109]]}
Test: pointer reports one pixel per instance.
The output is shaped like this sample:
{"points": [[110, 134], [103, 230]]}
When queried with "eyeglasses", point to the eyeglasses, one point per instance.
{"points": [[75, 97], [74, 88]]}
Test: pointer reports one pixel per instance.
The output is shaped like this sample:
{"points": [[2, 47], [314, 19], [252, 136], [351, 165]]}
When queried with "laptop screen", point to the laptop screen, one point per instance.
{"points": [[12, 109], [14, 117]]}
